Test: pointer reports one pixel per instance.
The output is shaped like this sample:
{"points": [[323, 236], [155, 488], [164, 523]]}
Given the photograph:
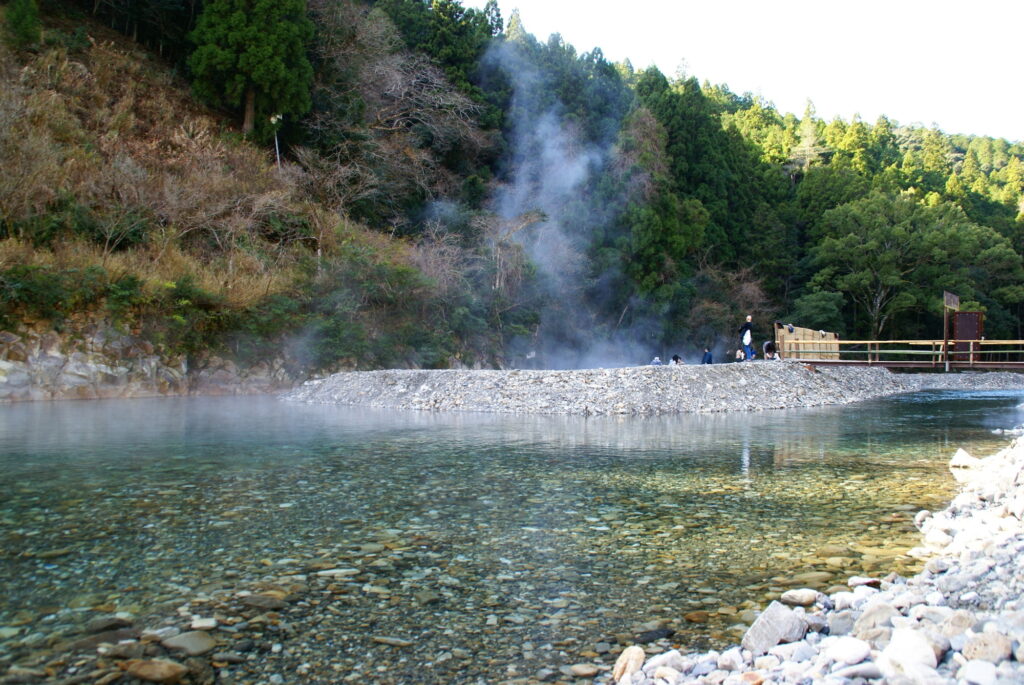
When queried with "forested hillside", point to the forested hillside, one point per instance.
{"points": [[411, 183]]}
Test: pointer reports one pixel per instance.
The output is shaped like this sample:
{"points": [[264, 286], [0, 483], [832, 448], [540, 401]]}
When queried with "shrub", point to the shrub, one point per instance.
{"points": [[22, 24], [72, 42], [63, 218], [46, 293]]}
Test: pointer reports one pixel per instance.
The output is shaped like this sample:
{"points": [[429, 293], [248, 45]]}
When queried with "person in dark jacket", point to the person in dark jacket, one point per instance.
{"points": [[747, 338], [706, 359]]}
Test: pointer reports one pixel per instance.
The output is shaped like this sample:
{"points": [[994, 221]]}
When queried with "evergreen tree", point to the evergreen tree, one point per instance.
{"points": [[252, 54], [809, 150], [515, 31], [22, 24], [882, 141]]}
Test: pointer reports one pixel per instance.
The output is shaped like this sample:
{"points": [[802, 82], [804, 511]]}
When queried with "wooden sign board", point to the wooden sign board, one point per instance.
{"points": [[951, 301]]}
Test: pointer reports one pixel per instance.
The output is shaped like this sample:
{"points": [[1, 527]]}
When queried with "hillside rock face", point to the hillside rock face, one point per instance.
{"points": [[103, 363], [747, 386]]}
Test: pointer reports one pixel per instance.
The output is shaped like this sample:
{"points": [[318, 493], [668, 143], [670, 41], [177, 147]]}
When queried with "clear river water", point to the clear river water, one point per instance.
{"points": [[493, 545]]}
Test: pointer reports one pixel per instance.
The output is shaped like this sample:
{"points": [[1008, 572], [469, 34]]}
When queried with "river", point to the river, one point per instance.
{"points": [[496, 545]]}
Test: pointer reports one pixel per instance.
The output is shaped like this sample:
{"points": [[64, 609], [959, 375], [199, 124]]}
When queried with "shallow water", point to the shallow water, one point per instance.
{"points": [[535, 537]]}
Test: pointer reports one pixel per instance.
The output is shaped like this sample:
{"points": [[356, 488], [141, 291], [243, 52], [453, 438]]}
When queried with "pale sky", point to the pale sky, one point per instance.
{"points": [[951, 63]]}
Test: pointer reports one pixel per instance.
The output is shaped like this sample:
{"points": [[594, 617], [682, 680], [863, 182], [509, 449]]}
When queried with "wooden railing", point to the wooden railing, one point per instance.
{"points": [[908, 353]]}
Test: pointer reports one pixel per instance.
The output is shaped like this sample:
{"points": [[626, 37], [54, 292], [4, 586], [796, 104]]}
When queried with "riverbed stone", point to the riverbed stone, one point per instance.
{"points": [[193, 643], [988, 646], [776, 624], [803, 597], [979, 672], [876, 615], [584, 670], [848, 650], [156, 670], [628, 663]]}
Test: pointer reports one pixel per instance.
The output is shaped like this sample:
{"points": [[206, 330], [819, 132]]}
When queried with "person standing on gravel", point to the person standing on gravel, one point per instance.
{"points": [[747, 338]]}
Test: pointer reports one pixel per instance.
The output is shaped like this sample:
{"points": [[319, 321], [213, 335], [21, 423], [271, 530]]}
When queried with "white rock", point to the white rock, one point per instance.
{"points": [[907, 651], [338, 572], [937, 539], [867, 669], [672, 659], [666, 673], [844, 600], [848, 650], [977, 672], [730, 660], [963, 466], [803, 597], [775, 624]]}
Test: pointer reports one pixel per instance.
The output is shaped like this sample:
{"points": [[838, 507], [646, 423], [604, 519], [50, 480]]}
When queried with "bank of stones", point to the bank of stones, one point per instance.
{"points": [[961, 620], [633, 390]]}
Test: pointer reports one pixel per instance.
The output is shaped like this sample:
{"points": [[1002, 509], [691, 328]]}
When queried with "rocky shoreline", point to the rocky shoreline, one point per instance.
{"points": [[961, 620], [96, 361], [646, 390]]}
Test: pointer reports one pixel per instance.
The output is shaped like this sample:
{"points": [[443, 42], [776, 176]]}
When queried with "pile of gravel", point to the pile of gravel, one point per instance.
{"points": [[642, 390]]}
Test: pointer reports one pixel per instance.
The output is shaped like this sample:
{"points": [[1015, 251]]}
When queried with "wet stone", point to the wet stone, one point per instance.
{"points": [[193, 643]]}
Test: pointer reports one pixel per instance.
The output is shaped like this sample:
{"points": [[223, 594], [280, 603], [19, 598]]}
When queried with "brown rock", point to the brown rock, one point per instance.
{"points": [[156, 670], [264, 602], [988, 646], [752, 677]]}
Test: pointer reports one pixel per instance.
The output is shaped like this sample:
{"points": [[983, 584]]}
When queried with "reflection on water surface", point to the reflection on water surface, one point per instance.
{"points": [[524, 539]]}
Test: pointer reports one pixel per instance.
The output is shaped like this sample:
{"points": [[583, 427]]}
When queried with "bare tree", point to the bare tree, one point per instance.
{"points": [[403, 99], [509, 259]]}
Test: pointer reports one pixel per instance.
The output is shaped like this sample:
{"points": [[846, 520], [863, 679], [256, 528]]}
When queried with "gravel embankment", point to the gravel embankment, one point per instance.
{"points": [[642, 390], [961, 620]]}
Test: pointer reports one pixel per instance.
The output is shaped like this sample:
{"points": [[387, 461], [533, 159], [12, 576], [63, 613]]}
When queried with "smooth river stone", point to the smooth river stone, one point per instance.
{"points": [[977, 673], [156, 670], [803, 597], [584, 670], [813, 577], [833, 551], [848, 650], [908, 651], [628, 663], [264, 602], [193, 643]]}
